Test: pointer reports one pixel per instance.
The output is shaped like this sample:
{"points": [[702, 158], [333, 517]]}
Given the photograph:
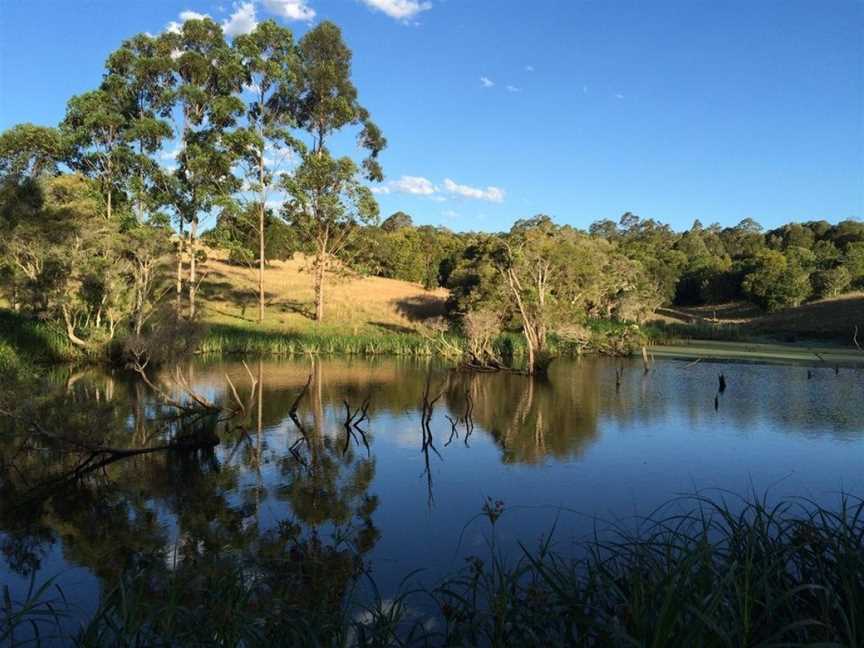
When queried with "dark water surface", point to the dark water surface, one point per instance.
{"points": [[573, 451]]}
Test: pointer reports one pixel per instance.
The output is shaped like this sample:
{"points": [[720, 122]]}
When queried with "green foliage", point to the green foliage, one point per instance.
{"points": [[26, 340], [777, 282], [528, 278], [66, 263], [830, 282], [423, 255], [397, 221], [236, 231], [853, 259], [30, 151]]}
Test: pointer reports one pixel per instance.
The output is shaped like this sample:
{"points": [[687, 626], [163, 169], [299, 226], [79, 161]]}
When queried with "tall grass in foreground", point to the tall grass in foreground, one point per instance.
{"points": [[707, 574]]}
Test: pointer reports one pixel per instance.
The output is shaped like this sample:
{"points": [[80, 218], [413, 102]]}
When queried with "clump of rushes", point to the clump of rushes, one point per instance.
{"points": [[709, 574], [223, 339], [227, 340]]}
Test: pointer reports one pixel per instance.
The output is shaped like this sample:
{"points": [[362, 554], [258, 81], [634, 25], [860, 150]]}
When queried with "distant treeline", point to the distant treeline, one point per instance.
{"points": [[774, 268]]}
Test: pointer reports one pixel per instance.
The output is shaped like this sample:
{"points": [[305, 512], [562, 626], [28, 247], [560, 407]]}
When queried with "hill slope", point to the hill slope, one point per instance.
{"points": [[353, 304], [828, 319]]}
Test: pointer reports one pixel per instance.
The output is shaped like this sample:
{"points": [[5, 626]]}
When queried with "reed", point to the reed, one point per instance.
{"points": [[710, 574], [228, 340]]}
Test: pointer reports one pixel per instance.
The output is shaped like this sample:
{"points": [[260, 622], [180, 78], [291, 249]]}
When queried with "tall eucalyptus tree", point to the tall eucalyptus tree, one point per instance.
{"points": [[96, 126], [139, 73], [328, 200], [207, 76], [269, 59]]}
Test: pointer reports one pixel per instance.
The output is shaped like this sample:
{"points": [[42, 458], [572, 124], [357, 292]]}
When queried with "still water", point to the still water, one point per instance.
{"points": [[600, 441]]}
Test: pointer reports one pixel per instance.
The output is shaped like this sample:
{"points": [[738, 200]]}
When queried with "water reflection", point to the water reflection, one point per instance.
{"points": [[315, 470]]}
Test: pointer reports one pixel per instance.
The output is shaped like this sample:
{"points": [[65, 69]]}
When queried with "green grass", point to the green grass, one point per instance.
{"points": [[668, 332], [225, 340], [26, 343], [39, 341], [708, 572]]}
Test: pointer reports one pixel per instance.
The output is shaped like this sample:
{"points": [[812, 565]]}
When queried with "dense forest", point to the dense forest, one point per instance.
{"points": [[104, 218]]}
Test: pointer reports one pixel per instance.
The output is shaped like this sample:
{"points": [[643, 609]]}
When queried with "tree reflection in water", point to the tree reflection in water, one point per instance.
{"points": [[280, 485], [183, 516]]}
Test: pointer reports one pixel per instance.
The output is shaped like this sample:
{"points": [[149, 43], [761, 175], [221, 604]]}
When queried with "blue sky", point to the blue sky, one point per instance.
{"points": [[500, 109]]}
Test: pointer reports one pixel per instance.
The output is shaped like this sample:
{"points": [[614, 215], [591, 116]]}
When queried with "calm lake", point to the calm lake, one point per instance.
{"points": [[576, 451]]}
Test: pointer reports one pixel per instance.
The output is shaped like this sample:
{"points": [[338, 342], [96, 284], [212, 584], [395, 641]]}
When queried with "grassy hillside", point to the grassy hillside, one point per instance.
{"points": [[832, 319], [353, 305]]}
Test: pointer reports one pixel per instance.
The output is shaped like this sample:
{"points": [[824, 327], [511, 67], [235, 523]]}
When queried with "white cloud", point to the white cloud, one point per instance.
{"points": [[449, 214], [174, 26], [192, 15], [512, 88], [290, 9], [529, 68], [420, 186], [403, 10], [492, 194], [486, 82], [415, 185], [242, 21]]}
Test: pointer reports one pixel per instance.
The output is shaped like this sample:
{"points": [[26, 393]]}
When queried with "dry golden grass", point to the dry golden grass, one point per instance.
{"points": [[353, 304]]}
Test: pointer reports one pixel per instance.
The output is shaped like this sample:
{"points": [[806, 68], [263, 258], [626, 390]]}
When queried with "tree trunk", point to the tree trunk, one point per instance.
{"points": [[530, 345], [180, 269], [261, 210], [261, 263], [319, 288], [193, 239], [70, 330]]}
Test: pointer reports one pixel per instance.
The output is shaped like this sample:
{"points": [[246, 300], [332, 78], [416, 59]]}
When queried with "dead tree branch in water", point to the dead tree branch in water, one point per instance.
{"points": [[352, 424], [181, 383], [465, 420], [427, 439], [96, 456], [293, 411]]}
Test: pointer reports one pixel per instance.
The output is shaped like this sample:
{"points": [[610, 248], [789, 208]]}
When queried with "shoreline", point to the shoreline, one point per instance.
{"points": [[820, 354]]}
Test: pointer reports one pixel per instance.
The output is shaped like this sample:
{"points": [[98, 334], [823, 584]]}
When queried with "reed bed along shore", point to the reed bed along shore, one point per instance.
{"points": [[700, 572]]}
